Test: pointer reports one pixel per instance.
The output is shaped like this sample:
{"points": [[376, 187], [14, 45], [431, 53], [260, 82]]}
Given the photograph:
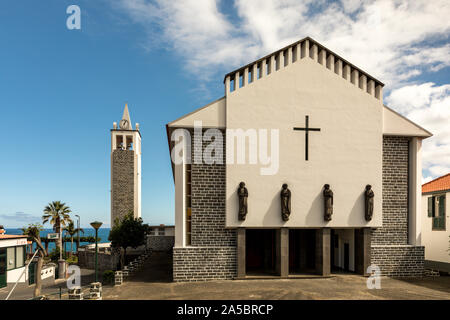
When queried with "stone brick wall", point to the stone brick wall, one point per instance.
{"points": [[106, 261], [399, 261], [389, 249], [204, 263], [160, 243], [212, 254], [122, 188], [208, 203], [395, 193]]}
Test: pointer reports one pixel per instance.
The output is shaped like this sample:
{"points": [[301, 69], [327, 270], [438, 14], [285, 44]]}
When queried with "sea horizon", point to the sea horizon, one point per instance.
{"points": [[103, 234]]}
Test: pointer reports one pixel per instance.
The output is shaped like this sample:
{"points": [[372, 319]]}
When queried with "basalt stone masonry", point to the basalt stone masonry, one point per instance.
{"points": [[212, 254], [390, 249], [122, 184], [160, 243]]}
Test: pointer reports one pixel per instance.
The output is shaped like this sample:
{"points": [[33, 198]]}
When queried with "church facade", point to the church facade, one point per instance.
{"points": [[298, 169]]}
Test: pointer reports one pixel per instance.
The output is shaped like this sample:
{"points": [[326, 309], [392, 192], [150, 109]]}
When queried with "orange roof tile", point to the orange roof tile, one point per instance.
{"points": [[11, 236], [438, 184]]}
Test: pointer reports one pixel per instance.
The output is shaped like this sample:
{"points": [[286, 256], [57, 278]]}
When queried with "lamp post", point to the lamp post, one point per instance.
{"points": [[61, 261], [96, 225], [60, 241], [78, 231]]}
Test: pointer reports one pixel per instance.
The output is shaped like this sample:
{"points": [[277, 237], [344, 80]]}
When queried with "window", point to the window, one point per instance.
{"points": [[439, 218], [20, 256], [15, 257], [161, 232], [11, 258], [436, 211]]}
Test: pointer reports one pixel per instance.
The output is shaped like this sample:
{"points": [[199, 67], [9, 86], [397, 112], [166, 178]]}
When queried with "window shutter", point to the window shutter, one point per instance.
{"points": [[430, 206]]}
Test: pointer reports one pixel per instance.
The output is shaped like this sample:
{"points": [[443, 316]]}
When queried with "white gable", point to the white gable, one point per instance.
{"points": [[395, 124], [212, 116]]}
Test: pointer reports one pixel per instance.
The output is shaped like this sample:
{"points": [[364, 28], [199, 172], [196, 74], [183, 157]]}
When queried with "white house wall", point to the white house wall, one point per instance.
{"points": [[436, 242]]}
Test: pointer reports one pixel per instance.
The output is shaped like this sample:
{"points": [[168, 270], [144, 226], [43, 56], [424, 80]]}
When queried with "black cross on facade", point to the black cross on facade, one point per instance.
{"points": [[307, 129]]}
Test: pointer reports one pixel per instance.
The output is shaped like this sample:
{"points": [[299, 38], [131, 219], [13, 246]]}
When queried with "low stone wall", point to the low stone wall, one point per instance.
{"points": [[106, 261], [160, 243], [204, 263], [399, 260]]}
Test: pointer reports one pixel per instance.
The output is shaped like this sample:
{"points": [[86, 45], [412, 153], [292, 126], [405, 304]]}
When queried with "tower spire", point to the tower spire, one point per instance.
{"points": [[125, 123]]}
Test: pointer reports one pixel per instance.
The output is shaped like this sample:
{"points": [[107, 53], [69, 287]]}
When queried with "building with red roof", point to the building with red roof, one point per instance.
{"points": [[435, 223]]}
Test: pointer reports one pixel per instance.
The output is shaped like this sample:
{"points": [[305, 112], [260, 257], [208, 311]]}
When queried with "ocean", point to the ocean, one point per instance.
{"points": [[103, 234]]}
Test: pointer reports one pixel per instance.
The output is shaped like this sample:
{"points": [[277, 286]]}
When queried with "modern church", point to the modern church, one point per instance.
{"points": [[299, 169]]}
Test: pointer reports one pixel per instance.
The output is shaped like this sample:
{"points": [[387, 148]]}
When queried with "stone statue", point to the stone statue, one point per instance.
{"points": [[328, 200], [368, 195], [243, 195], [285, 196]]}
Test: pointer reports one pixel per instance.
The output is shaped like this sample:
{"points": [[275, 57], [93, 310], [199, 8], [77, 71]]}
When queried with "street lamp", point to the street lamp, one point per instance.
{"points": [[96, 225], [78, 231]]}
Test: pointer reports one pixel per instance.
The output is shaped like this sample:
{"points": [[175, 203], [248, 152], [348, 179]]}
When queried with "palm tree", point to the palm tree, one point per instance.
{"points": [[57, 213], [71, 230], [33, 233]]}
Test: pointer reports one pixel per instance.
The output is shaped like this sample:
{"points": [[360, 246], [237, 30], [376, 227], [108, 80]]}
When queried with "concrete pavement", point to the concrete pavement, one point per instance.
{"points": [[154, 282]]}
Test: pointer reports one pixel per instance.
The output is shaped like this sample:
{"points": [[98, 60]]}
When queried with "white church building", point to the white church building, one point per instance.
{"points": [[305, 117]]}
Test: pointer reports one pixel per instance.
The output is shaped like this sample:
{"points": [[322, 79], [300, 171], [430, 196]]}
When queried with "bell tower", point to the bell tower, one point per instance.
{"points": [[125, 168]]}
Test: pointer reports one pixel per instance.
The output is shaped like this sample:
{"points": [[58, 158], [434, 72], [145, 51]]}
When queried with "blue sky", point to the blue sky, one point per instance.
{"points": [[62, 89]]}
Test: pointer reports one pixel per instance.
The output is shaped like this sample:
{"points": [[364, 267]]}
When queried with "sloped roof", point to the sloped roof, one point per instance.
{"points": [[11, 236], [394, 124], [211, 115], [438, 184]]}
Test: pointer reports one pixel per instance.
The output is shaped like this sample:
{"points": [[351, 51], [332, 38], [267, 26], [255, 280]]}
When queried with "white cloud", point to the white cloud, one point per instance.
{"points": [[19, 219], [426, 179], [429, 106], [395, 41]]}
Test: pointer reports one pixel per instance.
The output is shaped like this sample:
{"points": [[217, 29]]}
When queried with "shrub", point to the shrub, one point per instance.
{"points": [[72, 260], [54, 255], [108, 277]]}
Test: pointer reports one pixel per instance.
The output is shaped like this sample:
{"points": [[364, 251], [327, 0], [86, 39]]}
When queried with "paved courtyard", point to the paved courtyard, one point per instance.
{"points": [[154, 282]]}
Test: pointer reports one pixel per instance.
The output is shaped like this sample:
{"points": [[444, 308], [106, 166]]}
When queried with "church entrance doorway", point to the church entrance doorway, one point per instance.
{"points": [[342, 250], [261, 252], [302, 251]]}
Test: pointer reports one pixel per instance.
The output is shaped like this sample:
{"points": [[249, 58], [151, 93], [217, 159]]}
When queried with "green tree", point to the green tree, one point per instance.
{"points": [[72, 231], [57, 213], [128, 232], [33, 232]]}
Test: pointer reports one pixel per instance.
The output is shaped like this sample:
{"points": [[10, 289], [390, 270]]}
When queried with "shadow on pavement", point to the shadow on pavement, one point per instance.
{"points": [[441, 283], [157, 268]]}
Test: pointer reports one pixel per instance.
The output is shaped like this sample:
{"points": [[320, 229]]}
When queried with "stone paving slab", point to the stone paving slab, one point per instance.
{"points": [[340, 287], [153, 282]]}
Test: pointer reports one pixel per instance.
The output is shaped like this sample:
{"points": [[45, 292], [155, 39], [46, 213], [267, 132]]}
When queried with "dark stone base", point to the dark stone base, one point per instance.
{"points": [[399, 260], [204, 263]]}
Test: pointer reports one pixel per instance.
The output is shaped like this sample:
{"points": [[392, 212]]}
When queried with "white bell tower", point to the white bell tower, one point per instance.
{"points": [[125, 168]]}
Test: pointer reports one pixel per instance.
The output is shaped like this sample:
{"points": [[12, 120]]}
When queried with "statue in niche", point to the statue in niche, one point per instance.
{"points": [[368, 195], [285, 196], [243, 206], [328, 201]]}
